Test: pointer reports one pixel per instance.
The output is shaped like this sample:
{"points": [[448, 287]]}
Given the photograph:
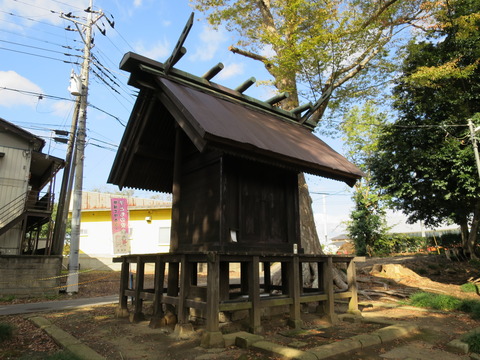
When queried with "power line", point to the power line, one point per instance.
{"points": [[38, 55], [40, 48]]}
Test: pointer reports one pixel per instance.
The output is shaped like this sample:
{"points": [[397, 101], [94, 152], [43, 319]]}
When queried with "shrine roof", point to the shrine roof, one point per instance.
{"points": [[212, 117]]}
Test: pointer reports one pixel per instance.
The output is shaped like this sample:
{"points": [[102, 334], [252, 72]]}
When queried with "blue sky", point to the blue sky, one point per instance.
{"points": [[37, 56]]}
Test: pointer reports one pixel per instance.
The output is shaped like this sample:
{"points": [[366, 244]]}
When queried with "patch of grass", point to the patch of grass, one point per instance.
{"points": [[434, 301], [8, 298], [473, 342], [6, 331], [446, 303], [468, 287]]}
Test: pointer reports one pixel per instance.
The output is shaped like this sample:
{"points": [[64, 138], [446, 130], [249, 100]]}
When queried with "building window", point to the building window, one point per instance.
{"points": [[164, 235], [83, 232]]}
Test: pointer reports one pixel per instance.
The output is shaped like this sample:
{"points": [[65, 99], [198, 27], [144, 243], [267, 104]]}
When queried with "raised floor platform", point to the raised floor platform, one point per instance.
{"points": [[217, 282]]}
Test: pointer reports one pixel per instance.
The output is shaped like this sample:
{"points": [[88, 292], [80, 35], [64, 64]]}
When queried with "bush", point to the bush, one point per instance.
{"points": [[473, 342], [6, 331]]}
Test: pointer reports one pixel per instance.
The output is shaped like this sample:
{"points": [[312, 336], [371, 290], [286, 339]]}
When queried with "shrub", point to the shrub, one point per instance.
{"points": [[6, 331], [473, 342]]}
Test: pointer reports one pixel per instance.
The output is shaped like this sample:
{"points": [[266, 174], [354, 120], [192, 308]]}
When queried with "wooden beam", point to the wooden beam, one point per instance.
{"points": [[210, 74], [179, 50], [245, 85], [277, 98]]}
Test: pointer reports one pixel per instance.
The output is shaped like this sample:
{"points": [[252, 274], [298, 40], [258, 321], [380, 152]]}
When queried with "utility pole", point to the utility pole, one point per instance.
{"points": [[72, 280], [474, 143]]}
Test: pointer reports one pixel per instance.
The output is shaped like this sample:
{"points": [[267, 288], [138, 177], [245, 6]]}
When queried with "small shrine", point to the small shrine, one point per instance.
{"points": [[231, 163]]}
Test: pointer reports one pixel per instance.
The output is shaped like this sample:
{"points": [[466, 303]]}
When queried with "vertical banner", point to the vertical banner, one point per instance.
{"points": [[121, 241]]}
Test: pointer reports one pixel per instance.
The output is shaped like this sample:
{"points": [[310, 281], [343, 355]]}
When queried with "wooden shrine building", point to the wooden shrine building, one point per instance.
{"points": [[231, 163]]}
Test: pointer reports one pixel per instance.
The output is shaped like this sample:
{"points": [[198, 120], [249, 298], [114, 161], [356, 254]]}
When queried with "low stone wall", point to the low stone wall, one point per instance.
{"points": [[29, 275]]}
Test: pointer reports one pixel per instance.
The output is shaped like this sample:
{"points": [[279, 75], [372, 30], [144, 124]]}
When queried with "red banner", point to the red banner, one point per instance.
{"points": [[121, 241]]}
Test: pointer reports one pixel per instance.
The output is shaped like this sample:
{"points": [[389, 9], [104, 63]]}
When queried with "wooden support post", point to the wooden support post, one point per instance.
{"points": [[172, 282], [284, 273], [158, 314], [184, 289], [224, 280], [244, 278], [194, 273], [254, 295], [212, 336], [328, 306], [137, 314], [122, 309], [352, 287], [294, 286], [267, 277], [183, 327]]}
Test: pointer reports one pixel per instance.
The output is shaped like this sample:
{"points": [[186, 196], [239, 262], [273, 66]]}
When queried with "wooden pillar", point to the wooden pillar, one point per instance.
{"points": [[295, 283], [328, 306], [158, 314], [224, 280], [352, 288], [212, 336], [267, 277], [172, 282], [137, 314], [254, 295], [244, 278], [184, 289], [122, 309], [284, 273]]}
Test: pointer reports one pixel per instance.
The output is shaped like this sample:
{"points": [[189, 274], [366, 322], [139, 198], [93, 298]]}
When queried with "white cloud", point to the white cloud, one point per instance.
{"points": [[40, 10], [60, 108], [157, 51], [137, 3], [210, 40], [231, 70], [12, 80], [268, 51]]}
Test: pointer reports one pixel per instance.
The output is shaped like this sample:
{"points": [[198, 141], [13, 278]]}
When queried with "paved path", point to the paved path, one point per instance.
{"points": [[56, 305]]}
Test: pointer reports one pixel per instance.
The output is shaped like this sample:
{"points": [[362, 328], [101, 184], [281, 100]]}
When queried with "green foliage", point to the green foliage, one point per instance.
{"points": [[7, 298], [445, 303], [473, 341], [468, 288], [320, 44], [435, 301], [6, 331], [425, 161]]}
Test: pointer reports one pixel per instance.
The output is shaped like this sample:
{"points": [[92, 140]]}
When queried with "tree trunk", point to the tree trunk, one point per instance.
{"points": [[464, 232], [472, 236]]}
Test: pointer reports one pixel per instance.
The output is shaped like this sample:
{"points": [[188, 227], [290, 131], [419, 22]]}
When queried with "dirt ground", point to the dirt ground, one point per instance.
{"points": [[379, 280]]}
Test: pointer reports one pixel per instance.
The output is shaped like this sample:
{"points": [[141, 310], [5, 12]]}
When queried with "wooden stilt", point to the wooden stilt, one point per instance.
{"points": [[158, 314], [122, 309], [254, 295], [137, 314]]}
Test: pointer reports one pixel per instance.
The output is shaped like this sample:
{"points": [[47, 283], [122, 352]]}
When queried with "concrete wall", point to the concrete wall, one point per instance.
{"points": [[29, 275]]}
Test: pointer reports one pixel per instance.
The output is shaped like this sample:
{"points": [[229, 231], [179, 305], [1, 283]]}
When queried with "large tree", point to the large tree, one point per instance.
{"points": [[426, 162], [336, 49]]}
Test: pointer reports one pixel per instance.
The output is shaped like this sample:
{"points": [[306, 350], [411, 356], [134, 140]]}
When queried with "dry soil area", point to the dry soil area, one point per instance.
{"points": [[380, 280]]}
